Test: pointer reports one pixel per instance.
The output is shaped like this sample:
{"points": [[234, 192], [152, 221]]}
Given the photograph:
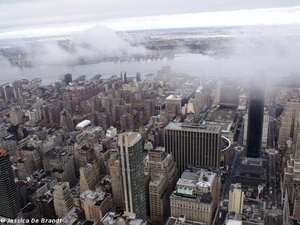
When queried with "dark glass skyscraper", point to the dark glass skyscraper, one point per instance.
{"points": [[10, 204], [255, 117], [132, 174]]}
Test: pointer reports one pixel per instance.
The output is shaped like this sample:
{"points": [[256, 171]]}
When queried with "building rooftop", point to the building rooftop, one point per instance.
{"points": [[157, 178], [71, 217], [194, 127], [97, 198], [181, 221], [90, 222], [252, 161], [28, 208], [132, 137], [113, 218], [55, 153], [47, 197], [202, 178], [175, 97]]}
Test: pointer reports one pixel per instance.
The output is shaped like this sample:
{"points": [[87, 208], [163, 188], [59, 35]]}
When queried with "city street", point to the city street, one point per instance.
{"points": [[273, 205]]}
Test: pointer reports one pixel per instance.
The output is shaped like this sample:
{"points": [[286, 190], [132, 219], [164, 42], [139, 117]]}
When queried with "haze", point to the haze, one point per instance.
{"points": [[123, 15], [92, 25]]}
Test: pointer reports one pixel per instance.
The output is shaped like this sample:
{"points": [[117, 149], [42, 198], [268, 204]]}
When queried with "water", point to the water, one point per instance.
{"points": [[192, 64]]}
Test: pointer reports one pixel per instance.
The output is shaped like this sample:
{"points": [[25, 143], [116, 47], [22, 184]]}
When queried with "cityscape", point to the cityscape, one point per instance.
{"points": [[177, 125]]}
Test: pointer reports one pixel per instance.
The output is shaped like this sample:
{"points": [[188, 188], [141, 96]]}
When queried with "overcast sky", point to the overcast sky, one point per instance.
{"points": [[16, 15]]}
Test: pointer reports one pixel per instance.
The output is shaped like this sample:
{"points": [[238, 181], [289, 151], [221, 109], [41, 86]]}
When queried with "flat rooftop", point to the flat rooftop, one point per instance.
{"points": [[202, 178], [175, 221], [194, 127]]}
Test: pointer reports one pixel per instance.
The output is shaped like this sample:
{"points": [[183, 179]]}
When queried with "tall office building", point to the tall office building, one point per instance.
{"points": [[132, 174], [229, 94], [265, 132], [162, 168], [89, 176], [236, 198], [16, 116], [138, 77], [95, 205], [61, 165], [196, 196], [291, 178], [193, 145], [67, 78], [114, 168], [289, 120], [255, 118], [251, 172], [62, 199], [9, 200]]}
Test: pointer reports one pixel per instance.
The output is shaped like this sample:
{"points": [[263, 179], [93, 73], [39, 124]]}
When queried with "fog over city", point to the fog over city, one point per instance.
{"points": [[98, 41], [160, 112], [258, 34], [32, 12]]}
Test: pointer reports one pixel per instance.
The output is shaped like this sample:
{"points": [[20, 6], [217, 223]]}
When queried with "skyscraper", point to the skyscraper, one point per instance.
{"points": [[162, 168], [62, 198], [132, 173], [255, 118], [251, 170], [89, 176], [9, 200], [114, 167], [196, 196], [193, 145], [236, 198]]}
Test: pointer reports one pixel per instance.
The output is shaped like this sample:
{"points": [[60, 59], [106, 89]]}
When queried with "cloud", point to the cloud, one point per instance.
{"points": [[105, 41], [274, 16], [35, 12], [94, 43], [4, 62], [273, 50], [72, 23]]}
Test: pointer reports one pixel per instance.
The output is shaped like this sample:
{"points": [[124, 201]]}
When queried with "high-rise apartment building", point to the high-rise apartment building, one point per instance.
{"points": [[255, 119], [194, 145], [289, 120], [162, 169], [114, 168], [89, 176], [9, 200], [236, 198], [133, 177], [291, 178], [62, 199], [24, 169], [174, 103], [16, 116], [95, 205], [229, 94], [196, 196], [61, 164]]}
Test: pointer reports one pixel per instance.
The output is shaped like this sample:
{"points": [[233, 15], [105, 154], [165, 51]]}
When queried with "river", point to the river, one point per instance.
{"points": [[192, 64]]}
